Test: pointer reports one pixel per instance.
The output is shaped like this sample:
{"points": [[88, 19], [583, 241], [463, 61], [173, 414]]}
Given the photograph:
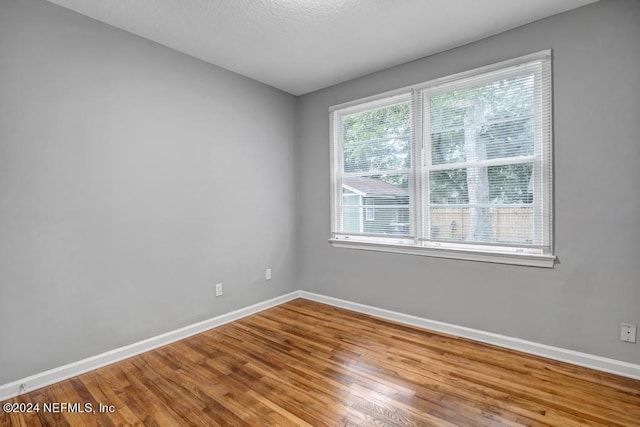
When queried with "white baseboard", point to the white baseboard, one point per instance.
{"points": [[70, 370], [613, 366]]}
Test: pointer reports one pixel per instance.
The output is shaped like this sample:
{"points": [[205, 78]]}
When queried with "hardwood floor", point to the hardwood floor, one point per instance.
{"points": [[305, 363]]}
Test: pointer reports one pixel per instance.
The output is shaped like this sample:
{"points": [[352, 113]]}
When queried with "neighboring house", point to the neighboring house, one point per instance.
{"points": [[373, 206]]}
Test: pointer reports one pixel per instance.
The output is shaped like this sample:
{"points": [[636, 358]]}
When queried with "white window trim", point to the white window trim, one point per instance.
{"points": [[529, 260], [529, 256]]}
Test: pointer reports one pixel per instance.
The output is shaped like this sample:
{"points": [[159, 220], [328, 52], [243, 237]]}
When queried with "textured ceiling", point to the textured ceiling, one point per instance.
{"points": [[303, 45]]}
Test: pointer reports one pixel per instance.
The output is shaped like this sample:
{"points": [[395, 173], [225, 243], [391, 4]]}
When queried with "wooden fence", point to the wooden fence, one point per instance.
{"points": [[511, 224]]}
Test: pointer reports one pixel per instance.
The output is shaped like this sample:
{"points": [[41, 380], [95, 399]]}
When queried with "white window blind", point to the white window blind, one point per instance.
{"points": [[461, 165], [375, 167]]}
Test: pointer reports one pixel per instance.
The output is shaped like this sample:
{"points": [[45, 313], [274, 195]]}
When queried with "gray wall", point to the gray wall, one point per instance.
{"points": [[121, 202], [580, 303], [132, 178]]}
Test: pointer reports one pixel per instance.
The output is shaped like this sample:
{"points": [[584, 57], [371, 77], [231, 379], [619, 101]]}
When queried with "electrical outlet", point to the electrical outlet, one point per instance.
{"points": [[627, 332], [267, 274], [218, 289]]}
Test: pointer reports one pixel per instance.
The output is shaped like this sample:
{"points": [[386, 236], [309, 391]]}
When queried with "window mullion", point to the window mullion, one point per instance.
{"points": [[416, 166], [486, 163], [425, 165], [376, 172]]}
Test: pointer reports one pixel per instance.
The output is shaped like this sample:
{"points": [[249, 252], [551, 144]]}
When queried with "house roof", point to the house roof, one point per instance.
{"points": [[371, 187]]}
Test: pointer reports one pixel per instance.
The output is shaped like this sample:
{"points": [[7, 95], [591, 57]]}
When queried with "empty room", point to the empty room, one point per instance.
{"points": [[319, 212]]}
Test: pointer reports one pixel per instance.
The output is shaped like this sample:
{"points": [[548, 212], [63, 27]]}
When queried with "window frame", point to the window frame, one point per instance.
{"points": [[541, 255]]}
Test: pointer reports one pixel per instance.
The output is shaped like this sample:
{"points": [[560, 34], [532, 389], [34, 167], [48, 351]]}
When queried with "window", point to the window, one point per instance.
{"points": [[459, 167], [370, 213]]}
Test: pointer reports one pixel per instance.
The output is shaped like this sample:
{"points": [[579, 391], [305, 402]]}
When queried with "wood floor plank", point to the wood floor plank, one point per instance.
{"points": [[308, 364]]}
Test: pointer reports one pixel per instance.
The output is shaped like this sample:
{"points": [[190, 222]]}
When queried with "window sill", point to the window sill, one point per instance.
{"points": [[529, 260]]}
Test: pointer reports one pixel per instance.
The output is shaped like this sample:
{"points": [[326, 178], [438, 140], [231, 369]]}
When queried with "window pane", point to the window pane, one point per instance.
{"points": [[503, 184], [378, 155], [351, 218], [510, 183], [482, 204], [448, 186], [506, 224], [447, 147], [377, 140], [489, 121], [509, 139], [377, 204]]}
